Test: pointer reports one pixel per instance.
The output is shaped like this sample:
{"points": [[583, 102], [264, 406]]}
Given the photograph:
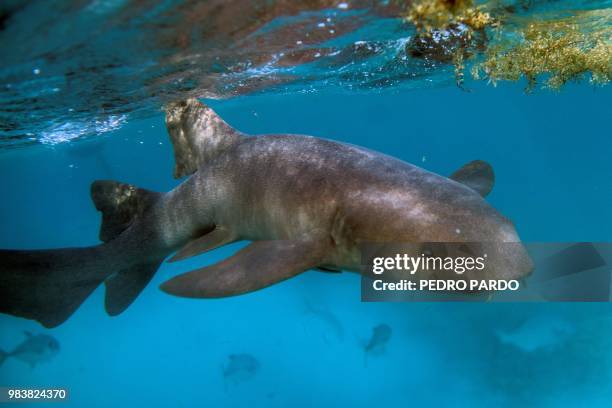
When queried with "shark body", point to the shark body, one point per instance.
{"points": [[304, 202]]}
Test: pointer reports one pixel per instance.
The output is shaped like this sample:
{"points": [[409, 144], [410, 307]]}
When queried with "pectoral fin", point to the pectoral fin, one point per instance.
{"points": [[257, 266], [218, 237]]}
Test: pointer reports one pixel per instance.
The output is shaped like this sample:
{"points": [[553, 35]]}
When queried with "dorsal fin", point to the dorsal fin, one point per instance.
{"points": [[197, 133], [477, 175], [119, 203]]}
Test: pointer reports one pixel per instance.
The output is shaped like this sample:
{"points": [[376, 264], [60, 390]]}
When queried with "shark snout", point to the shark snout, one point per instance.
{"points": [[523, 264], [511, 260]]}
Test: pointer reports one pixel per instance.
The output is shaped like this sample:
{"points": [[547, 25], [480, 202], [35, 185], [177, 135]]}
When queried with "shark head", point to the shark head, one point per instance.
{"points": [[462, 225]]}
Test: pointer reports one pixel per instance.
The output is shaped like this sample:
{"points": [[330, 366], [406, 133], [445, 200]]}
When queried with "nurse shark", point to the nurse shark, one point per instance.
{"points": [[303, 202]]}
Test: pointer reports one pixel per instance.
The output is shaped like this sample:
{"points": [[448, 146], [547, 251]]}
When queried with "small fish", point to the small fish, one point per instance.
{"points": [[381, 334], [377, 345], [240, 368], [33, 350], [538, 333], [329, 319]]}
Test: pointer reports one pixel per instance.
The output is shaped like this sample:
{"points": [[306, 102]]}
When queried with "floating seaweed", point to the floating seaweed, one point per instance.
{"points": [[506, 46], [431, 15], [563, 49], [449, 31]]}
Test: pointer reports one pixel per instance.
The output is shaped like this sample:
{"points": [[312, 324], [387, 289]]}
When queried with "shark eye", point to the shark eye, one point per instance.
{"points": [[466, 250], [432, 249]]}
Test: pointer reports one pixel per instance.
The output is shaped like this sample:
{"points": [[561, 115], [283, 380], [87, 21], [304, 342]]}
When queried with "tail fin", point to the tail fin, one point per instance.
{"points": [[49, 285]]}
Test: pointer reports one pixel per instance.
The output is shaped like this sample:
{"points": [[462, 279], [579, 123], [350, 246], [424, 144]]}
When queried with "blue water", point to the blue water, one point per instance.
{"points": [[551, 154]]}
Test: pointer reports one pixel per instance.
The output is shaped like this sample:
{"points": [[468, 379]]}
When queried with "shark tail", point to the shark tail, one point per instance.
{"points": [[49, 285]]}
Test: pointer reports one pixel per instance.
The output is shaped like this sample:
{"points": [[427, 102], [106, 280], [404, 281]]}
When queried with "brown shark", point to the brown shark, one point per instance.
{"points": [[304, 202]]}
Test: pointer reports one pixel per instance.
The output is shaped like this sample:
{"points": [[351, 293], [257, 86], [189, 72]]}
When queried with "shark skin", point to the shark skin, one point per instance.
{"points": [[304, 202]]}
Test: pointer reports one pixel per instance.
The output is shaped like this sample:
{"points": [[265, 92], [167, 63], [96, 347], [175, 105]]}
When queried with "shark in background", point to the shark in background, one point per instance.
{"points": [[538, 333], [91, 151]]}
